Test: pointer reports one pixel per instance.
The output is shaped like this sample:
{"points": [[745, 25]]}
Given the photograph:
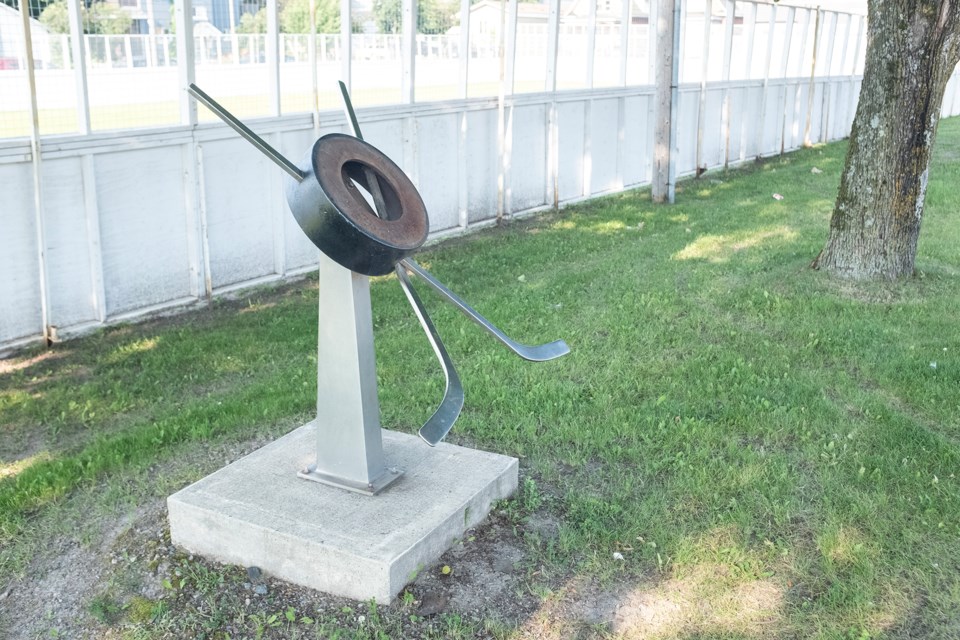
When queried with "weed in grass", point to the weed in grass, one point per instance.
{"points": [[104, 608], [141, 611]]}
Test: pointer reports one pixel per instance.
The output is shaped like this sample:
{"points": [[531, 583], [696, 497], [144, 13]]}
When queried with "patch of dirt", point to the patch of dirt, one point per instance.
{"points": [[55, 591], [134, 560], [131, 576], [705, 603], [487, 570], [59, 585], [131, 579], [12, 365]]}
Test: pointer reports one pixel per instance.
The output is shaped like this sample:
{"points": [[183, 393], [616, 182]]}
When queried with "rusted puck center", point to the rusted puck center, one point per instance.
{"points": [[330, 207], [342, 162]]}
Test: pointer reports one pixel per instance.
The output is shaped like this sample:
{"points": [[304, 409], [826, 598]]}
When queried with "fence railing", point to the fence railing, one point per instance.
{"points": [[129, 51]]}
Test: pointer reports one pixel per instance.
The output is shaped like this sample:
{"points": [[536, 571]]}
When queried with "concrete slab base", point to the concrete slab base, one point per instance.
{"points": [[257, 512]]}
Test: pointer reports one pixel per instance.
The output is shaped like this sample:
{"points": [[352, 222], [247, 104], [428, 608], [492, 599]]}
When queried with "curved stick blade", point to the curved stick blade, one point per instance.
{"points": [[534, 353], [438, 426]]}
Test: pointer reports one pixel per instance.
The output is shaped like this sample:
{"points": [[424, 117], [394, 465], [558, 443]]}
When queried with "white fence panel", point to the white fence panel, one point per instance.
{"points": [[795, 111], [637, 140], [528, 157], [144, 228], [20, 311], [769, 126], [68, 239], [604, 145], [747, 129], [238, 206], [481, 165], [437, 169], [571, 142], [687, 116]]}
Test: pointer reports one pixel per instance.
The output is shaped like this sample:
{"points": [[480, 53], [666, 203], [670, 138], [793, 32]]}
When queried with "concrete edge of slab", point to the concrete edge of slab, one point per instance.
{"points": [[469, 514], [256, 512]]}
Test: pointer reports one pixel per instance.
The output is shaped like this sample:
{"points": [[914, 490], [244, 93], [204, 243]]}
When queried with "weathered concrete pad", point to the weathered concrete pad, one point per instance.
{"points": [[257, 512]]}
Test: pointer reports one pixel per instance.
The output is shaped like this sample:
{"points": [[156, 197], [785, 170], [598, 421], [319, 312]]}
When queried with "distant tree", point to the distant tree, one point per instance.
{"points": [[253, 22], [295, 16], [436, 16], [386, 15], [99, 18], [433, 16], [56, 18], [107, 19]]}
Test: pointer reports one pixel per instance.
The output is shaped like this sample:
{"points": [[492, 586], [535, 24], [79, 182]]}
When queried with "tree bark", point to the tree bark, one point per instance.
{"points": [[912, 49]]}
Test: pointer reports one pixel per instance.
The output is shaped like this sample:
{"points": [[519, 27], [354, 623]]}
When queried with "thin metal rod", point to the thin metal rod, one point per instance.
{"points": [[373, 183], [245, 131], [537, 353], [348, 110], [438, 426]]}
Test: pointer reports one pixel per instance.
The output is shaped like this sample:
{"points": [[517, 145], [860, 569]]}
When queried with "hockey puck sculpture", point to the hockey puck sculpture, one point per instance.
{"points": [[368, 239]]}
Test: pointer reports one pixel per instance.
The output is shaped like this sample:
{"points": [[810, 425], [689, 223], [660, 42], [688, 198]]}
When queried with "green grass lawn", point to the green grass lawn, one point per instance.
{"points": [[773, 453]]}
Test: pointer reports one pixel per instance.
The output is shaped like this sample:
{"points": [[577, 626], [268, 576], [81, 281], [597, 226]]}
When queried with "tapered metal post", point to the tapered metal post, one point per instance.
{"points": [[349, 443]]}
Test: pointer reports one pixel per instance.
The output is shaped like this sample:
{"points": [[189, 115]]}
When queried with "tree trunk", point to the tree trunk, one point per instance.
{"points": [[912, 49]]}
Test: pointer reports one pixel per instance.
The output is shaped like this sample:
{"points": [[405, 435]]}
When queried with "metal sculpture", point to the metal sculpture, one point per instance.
{"points": [[372, 240]]}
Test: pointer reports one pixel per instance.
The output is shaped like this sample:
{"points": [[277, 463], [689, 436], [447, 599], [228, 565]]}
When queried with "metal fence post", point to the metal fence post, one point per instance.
{"points": [[626, 17], [730, 8], [825, 114], [186, 67], [591, 42], [464, 47], [704, 70], [784, 65], [346, 44], [508, 40], [272, 43], [771, 27], [408, 28], [813, 73], [312, 63], [79, 67], [37, 168], [552, 195]]}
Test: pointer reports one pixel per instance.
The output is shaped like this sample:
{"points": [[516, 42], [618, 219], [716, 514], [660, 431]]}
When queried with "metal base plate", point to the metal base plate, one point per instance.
{"points": [[372, 488]]}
